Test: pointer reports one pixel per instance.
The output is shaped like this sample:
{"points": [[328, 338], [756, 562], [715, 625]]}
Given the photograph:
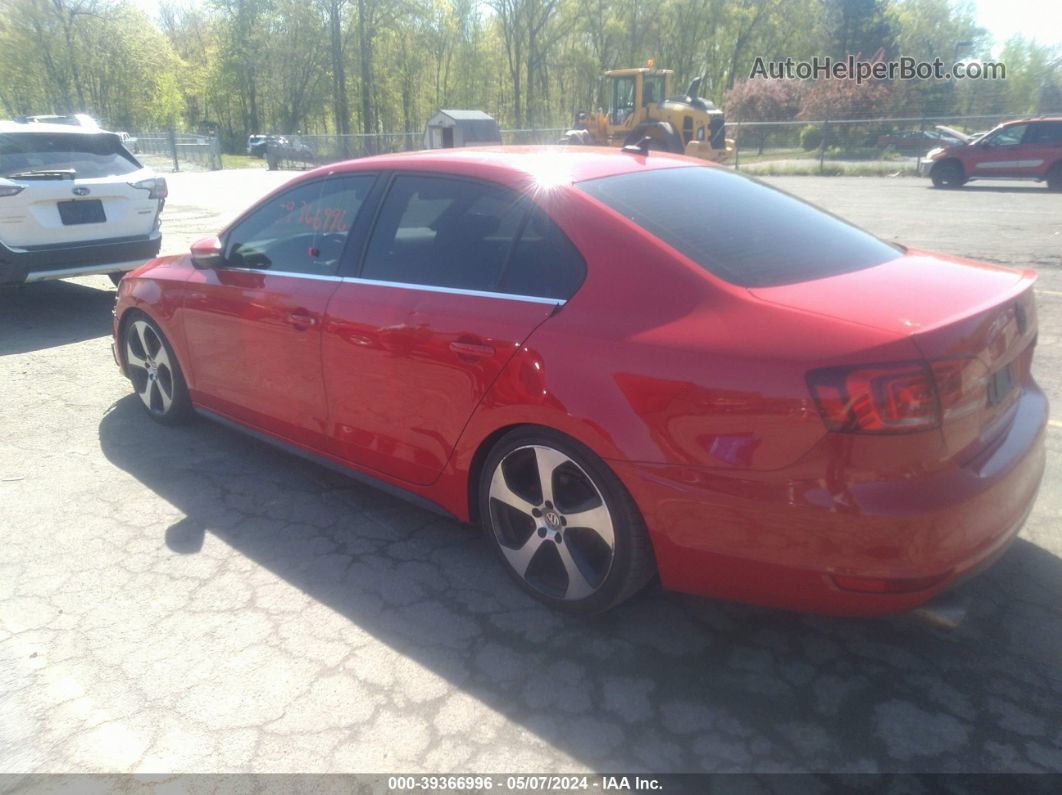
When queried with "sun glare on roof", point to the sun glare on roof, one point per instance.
{"points": [[548, 172]]}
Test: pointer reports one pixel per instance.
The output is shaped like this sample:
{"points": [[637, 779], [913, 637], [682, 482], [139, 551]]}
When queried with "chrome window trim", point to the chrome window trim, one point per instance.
{"points": [[431, 288], [320, 277]]}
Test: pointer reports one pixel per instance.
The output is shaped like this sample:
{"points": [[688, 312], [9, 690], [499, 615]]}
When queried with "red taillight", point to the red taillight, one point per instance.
{"points": [[885, 398], [155, 186], [901, 397]]}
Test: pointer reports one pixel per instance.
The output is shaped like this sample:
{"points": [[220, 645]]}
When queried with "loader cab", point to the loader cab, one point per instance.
{"points": [[631, 91]]}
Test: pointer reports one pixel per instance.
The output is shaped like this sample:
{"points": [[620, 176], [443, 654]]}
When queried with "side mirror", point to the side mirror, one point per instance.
{"points": [[208, 253]]}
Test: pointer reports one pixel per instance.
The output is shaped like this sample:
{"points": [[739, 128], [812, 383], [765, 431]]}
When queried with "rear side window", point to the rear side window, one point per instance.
{"points": [[302, 230], [444, 232], [738, 228], [544, 263], [468, 235], [89, 156], [1045, 132]]}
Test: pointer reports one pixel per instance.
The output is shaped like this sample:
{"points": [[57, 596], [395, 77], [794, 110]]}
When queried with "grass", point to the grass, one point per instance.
{"points": [[811, 169], [749, 155], [833, 152], [242, 161]]}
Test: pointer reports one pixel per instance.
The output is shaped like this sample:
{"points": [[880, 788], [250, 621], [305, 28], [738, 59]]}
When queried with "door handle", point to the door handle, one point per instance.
{"points": [[471, 349], [302, 319]]}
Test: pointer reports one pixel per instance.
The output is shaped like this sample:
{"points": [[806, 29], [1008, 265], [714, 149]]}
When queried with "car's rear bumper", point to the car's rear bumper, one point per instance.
{"points": [[781, 541], [38, 263]]}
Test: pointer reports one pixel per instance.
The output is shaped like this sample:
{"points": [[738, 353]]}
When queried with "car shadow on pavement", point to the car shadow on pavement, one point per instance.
{"points": [[46, 314], [663, 683], [983, 187]]}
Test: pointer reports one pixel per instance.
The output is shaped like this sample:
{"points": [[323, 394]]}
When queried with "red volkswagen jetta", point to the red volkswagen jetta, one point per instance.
{"points": [[620, 365]]}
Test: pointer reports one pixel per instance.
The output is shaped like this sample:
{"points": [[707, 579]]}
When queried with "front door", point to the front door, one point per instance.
{"points": [[253, 328], [456, 276], [1002, 154]]}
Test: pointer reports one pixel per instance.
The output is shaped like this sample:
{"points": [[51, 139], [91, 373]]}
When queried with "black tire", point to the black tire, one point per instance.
{"points": [[663, 137], [566, 566], [1054, 177], [116, 277], [948, 174], [154, 371]]}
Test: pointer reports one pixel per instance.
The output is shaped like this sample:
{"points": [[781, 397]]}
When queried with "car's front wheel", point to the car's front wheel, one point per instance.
{"points": [[562, 523], [154, 371], [948, 174]]}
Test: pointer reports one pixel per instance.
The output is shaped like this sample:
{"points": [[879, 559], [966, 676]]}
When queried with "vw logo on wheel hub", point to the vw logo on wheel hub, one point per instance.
{"points": [[552, 520]]}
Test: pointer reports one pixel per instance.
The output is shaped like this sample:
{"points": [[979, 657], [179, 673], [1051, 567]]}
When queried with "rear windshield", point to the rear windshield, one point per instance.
{"points": [[87, 155], [738, 228]]}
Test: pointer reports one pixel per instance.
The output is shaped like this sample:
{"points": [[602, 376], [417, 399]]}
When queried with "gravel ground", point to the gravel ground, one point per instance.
{"points": [[191, 600]]}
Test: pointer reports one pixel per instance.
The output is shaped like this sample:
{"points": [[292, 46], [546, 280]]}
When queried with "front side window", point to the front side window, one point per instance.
{"points": [[737, 228], [88, 156], [1008, 136], [302, 230], [444, 233], [622, 98]]}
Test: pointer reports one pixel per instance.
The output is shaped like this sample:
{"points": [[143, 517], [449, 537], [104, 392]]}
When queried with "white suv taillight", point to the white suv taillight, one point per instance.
{"points": [[11, 190], [156, 187]]}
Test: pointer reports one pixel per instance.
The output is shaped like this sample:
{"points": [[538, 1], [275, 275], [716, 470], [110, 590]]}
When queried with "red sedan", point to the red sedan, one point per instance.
{"points": [[620, 365]]}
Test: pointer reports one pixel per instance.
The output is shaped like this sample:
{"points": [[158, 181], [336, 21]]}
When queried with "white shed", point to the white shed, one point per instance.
{"points": [[450, 128]]}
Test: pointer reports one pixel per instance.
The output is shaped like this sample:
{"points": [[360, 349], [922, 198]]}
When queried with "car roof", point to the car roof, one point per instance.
{"points": [[515, 164], [43, 127], [1032, 119]]}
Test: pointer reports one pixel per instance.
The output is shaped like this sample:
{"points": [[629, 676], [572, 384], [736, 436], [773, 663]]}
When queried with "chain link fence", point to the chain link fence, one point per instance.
{"points": [[827, 146], [172, 151], [847, 146], [547, 135], [308, 151]]}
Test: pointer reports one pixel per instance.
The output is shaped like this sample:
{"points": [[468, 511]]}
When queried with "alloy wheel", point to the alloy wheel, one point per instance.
{"points": [[149, 367], [551, 522]]}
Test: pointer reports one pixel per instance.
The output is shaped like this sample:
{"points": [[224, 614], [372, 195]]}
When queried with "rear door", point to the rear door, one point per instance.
{"points": [[1043, 146], [456, 275], [253, 328]]}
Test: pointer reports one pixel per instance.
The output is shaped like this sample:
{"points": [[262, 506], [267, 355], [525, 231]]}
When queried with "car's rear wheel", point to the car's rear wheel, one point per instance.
{"points": [[948, 174], [562, 523], [1054, 177], [154, 371]]}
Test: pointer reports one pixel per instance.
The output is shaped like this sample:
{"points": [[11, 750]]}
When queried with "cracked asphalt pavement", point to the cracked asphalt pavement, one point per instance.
{"points": [[189, 599]]}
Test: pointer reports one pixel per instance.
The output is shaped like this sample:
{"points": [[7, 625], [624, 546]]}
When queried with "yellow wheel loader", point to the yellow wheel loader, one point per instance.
{"points": [[640, 108]]}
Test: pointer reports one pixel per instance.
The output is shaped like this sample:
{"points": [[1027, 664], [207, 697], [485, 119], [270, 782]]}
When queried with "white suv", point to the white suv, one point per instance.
{"points": [[73, 201]]}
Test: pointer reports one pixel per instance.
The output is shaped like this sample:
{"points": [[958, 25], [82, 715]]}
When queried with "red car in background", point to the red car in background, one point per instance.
{"points": [[1023, 149], [620, 365]]}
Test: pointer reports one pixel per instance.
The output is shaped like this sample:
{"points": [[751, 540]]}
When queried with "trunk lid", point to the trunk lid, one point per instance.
{"points": [[33, 218], [974, 323]]}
